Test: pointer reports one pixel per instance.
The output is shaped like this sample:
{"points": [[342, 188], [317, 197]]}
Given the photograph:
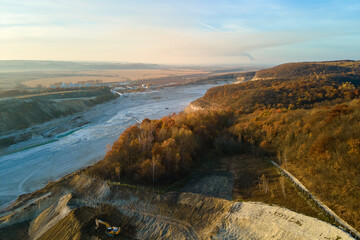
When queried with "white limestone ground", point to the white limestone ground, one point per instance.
{"points": [[171, 215], [233, 220], [260, 221]]}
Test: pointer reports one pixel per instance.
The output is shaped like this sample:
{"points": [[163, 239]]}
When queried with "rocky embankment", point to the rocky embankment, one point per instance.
{"points": [[67, 210], [21, 113], [245, 77], [193, 107]]}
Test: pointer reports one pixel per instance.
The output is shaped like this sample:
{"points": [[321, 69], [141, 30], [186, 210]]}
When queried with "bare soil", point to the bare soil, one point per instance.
{"points": [[248, 184]]}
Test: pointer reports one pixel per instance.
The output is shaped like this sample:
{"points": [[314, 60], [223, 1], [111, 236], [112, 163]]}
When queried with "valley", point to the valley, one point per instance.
{"points": [[237, 163], [174, 120], [76, 142]]}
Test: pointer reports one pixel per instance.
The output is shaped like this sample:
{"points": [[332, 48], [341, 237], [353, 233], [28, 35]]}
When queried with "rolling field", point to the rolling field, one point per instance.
{"points": [[123, 75]]}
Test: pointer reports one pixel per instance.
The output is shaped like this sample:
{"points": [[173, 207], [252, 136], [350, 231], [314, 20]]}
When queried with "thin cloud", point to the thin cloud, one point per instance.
{"points": [[207, 26]]}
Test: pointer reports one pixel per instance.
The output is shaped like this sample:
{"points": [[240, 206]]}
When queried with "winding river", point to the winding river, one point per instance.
{"points": [[31, 169]]}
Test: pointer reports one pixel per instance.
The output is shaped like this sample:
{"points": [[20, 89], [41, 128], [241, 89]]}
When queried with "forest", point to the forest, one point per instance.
{"points": [[164, 149], [309, 124], [305, 69], [305, 92]]}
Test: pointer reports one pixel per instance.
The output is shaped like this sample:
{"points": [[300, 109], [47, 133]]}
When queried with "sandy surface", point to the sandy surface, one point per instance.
{"points": [[260, 221], [173, 215], [30, 169]]}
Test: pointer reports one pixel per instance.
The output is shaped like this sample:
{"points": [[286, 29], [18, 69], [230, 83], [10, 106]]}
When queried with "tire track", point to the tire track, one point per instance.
{"points": [[190, 231]]}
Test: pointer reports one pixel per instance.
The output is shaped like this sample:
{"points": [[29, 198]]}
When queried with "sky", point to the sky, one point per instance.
{"points": [[204, 32]]}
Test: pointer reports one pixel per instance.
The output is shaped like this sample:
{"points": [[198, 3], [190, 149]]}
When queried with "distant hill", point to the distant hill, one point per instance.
{"points": [[295, 85], [34, 65], [301, 69]]}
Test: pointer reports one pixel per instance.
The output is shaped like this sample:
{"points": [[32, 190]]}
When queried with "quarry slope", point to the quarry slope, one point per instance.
{"points": [[19, 113], [67, 210]]}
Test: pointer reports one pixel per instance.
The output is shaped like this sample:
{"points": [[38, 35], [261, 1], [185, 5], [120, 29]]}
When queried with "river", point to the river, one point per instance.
{"points": [[31, 169]]}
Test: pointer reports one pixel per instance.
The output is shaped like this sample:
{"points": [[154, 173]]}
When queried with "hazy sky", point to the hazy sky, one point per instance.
{"points": [[181, 31]]}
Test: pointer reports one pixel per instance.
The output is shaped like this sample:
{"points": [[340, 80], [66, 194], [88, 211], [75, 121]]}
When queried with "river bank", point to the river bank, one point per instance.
{"points": [[27, 170]]}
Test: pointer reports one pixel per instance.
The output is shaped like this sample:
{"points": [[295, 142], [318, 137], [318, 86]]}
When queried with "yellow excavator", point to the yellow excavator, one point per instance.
{"points": [[110, 230]]}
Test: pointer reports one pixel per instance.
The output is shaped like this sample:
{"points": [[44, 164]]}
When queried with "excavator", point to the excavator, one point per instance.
{"points": [[111, 231]]}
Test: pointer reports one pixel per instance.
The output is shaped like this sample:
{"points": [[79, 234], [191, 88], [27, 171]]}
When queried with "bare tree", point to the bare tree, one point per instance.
{"points": [[118, 172], [264, 184], [282, 158], [282, 185], [146, 137], [154, 161]]}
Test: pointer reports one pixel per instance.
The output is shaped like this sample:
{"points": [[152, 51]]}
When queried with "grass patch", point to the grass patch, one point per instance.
{"points": [[257, 180]]}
